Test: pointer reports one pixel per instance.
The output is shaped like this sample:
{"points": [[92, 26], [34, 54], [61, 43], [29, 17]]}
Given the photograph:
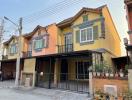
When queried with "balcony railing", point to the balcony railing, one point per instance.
{"points": [[27, 54], [65, 48], [4, 57]]}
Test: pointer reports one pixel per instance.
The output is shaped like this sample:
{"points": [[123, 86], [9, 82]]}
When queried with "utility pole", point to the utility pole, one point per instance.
{"points": [[1, 29], [1, 37], [19, 54], [19, 26]]}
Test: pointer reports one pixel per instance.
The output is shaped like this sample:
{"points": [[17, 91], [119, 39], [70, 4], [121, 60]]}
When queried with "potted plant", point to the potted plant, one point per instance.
{"points": [[121, 73], [111, 72], [106, 71], [94, 71], [126, 70], [97, 69]]}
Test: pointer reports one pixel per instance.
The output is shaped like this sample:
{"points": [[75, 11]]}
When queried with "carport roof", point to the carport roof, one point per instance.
{"points": [[7, 60], [68, 54]]}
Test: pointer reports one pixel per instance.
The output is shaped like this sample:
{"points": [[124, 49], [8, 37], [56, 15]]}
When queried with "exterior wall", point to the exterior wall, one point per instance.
{"points": [[122, 85], [28, 72], [112, 36], [52, 42], [7, 48], [129, 16], [108, 58], [129, 19], [61, 35], [29, 65]]}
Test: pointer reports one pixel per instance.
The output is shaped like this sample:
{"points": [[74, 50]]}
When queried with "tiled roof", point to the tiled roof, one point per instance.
{"points": [[31, 33], [12, 37], [71, 19], [128, 1]]}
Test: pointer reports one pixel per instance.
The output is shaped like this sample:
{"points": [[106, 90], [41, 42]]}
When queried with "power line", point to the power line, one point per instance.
{"points": [[53, 10]]}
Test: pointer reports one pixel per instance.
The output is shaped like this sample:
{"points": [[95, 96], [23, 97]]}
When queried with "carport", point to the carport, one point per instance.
{"points": [[8, 68]]}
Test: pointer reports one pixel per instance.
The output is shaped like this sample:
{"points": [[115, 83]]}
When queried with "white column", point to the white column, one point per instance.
{"points": [[130, 79], [90, 84]]}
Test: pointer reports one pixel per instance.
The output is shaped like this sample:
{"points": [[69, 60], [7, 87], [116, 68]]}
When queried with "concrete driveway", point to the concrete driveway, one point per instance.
{"points": [[39, 94], [8, 92]]}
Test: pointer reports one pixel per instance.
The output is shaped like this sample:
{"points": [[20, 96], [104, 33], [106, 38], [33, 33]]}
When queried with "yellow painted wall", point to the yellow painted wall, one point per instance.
{"points": [[14, 40], [111, 33], [72, 67], [29, 65]]}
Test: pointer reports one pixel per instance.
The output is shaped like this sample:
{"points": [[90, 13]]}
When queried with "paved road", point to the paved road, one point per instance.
{"points": [[8, 92], [39, 94]]}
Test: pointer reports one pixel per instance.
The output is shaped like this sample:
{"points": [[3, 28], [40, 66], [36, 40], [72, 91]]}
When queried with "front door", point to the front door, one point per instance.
{"points": [[68, 42], [64, 70]]}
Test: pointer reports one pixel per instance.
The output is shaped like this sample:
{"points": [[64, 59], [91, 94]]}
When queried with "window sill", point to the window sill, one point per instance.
{"points": [[86, 43], [38, 50]]}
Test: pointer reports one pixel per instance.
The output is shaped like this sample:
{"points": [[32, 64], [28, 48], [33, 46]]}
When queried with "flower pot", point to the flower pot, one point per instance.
{"points": [[111, 75], [107, 74], [116, 75], [121, 74], [94, 73], [98, 73]]}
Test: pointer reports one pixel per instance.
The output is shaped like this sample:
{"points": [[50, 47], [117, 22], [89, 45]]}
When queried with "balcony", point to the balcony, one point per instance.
{"points": [[27, 54], [65, 48], [4, 57]]}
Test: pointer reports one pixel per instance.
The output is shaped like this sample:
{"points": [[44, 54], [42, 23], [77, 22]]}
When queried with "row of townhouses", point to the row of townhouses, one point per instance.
{"points": [[60, 55]]}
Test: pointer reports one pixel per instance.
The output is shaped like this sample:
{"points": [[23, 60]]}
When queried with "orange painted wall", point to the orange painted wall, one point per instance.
{"points": [[52, 31]]}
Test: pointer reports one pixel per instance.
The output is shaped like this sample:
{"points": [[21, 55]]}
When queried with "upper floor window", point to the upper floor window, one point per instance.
{"points": [[38, 44], [85, 18], [13, 49], [86, 35]]}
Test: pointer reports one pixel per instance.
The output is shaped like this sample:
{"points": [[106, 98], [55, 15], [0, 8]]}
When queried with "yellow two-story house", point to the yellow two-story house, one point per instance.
{"points": [[90, 29], [93, 30], [10, 54]]}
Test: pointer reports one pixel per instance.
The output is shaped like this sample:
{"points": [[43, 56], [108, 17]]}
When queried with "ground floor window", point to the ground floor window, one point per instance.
{"points": [[82, 71]]}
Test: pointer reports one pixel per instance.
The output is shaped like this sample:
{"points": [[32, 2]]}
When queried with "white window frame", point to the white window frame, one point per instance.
{"points": [[81, 41], [13, 49]]}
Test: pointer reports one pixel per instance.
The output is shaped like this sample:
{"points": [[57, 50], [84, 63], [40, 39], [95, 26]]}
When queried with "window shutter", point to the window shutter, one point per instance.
{"points": [[85, 18], [95, 32], [34, 44], [78, 36], [16, 48], [43, 45], [47, 41]]}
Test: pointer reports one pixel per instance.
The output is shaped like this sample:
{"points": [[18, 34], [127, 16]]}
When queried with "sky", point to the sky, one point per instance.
{"points": [[44, 12]]}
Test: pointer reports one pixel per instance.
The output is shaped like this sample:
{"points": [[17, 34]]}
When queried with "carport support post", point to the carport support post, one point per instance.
{"points": [[50, 73], [90, 83]]}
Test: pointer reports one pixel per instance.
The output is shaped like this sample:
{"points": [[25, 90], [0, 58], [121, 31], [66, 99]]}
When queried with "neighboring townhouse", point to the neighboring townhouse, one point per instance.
{"points": [[10, 54], [128, 44], [40, 42]]}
